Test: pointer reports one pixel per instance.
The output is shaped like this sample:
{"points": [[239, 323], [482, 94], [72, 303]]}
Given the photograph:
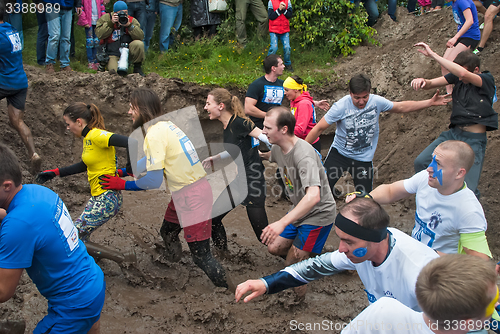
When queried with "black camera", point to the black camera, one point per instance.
{"points": [[122, 18]]}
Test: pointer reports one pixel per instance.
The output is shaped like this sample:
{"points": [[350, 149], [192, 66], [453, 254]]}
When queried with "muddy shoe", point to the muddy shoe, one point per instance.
{"points": [[12, 326], [49, 69], [36, 164], [66, 69], [173, 247]]}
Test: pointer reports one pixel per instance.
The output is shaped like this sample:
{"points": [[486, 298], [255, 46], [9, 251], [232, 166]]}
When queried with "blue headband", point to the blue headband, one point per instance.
{"points": [[437, 173]]}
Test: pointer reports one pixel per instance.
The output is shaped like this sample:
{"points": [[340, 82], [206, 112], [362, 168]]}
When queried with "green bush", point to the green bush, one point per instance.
{"points": [[336, 24]]}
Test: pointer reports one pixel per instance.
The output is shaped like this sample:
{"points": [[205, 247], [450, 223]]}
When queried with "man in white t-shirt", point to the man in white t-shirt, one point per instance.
{"points": [[457, 294], [448, 216], [387, 260], [356, 136]]}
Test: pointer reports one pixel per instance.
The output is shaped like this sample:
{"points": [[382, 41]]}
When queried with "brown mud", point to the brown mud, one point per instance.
{"points": [[157, 296]]}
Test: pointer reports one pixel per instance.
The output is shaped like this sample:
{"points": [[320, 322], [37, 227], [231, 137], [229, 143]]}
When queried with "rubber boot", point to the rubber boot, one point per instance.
{"points": [[138, 69], [101, 252], [170, 234]]}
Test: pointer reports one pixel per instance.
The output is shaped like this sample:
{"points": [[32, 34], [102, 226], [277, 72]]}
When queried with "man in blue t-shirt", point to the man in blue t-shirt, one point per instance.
{"points": [[37, 234], [356, 137], [14, 84]]}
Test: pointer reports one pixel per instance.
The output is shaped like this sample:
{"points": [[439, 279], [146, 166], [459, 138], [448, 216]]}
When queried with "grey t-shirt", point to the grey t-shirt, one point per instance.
{"points": [[302, 168]]}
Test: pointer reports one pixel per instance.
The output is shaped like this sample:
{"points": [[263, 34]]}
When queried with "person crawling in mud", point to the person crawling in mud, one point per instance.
{"points": [[303, 231], [170, 153], [387, 260], [37, 234]]}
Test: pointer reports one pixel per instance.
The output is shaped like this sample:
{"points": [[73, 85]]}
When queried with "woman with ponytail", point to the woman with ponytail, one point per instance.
{"points": [[98, 158], [302, 107], [241, 136]]}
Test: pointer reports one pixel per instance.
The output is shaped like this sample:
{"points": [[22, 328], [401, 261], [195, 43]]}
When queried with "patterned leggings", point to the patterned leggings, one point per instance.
{"points": [[99, 210]]}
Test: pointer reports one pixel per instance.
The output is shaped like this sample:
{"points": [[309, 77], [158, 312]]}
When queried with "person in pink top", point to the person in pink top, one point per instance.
{"points": [[302, 107], [91, 11]]}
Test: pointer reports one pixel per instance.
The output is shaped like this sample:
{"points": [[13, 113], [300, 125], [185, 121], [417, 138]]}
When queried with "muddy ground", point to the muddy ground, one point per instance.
{"points": [[161, 297]]}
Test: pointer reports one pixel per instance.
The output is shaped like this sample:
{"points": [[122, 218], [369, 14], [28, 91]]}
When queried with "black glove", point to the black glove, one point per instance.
{"points": [[46, 175]]}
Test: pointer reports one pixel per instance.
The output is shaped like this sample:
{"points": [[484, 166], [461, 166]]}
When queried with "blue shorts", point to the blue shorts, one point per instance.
{"points": [[56, 322], [309, 238]]}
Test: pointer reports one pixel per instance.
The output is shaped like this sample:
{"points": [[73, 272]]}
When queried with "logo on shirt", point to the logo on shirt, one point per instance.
{"points": [[371, 298], [435, 220], [288, 182], [360, 129]]}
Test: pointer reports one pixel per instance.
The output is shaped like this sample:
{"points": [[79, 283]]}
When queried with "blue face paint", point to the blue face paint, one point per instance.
{"points": [[360, 252], [437, 173]]}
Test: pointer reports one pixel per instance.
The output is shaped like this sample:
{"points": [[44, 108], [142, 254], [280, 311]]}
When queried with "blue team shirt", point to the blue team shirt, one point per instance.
{"points": [[37, 234], [458, 7], [12, 75], [357, 131]]}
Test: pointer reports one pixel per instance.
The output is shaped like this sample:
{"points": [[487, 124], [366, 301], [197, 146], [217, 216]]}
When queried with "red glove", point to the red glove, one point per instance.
{"points": [[120, 172], [110, 182]]}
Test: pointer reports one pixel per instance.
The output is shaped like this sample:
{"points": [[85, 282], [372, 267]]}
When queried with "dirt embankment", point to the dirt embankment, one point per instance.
{"points": [[162, 297]]}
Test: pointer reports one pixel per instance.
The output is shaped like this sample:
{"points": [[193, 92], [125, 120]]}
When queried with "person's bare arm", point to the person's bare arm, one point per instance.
{"points": [[251, 109], [9, 279], [421, 83], [476, 253], [409, 106], [305, 205], [461, 72], [390, 193], [317, 130]]}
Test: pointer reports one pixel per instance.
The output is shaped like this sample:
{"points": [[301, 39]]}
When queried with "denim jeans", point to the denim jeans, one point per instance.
{"points": [[59, 27], [170, 17], [372, 10], [138, 11], [16, 20], [91, 47], [42, 37], [285, 40], [148, 29]]}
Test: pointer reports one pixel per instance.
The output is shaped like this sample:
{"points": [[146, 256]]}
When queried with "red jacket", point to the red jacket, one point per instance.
{"points": [[280, 25], [86, 17], [305, 115]]}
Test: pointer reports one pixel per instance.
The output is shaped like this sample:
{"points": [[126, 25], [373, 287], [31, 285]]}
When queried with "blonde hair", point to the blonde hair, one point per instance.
{"points": [[455, 287], [231, 103]]}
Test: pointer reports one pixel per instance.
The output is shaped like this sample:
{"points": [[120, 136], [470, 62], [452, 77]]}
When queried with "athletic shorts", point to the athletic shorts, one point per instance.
{"points": [[309, 238], [471, 43], [15, 97], [57, 323], [192, 210], [488, 3]]}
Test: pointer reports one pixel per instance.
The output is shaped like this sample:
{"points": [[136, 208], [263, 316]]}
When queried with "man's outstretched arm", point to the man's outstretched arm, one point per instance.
{"points": [[409, 106]]}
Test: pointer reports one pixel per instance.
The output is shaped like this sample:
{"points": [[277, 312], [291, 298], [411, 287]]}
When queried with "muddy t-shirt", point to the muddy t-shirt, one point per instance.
{"points": [[357, 131], [472, 104], [302, 168], [236, 140], [268, 94]]}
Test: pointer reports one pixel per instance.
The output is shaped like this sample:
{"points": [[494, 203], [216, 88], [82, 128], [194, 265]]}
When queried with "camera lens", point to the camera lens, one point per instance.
{"points": [[122, 18]]}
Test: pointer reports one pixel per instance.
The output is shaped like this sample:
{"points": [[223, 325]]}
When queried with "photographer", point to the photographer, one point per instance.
{"points": [[117, 32]]}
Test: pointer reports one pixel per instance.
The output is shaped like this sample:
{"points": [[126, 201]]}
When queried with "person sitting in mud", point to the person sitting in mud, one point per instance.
{"points": [[448, 217], [171, 153], [356, 136], [387, 260], [98, 159], [456, 292], [119, 30], [303, 231], [472, 110], [14, 85], [241, 136], [37, 234]]}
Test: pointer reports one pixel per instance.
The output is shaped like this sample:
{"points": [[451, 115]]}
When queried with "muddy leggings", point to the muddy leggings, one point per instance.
{"points": [[200, 252], [257, 217]]}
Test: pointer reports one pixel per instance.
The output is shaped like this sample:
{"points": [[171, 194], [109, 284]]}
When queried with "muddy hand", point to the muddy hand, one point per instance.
{"points": [[270, 233], [257, 287]]}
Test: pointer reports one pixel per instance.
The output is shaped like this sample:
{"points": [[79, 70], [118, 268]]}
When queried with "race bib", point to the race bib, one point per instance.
{"points": [[189, 150], [67, 231], [15, 40], [273, 94]]}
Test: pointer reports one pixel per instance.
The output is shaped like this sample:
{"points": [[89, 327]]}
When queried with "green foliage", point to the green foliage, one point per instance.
{"points": [[336, 24]]}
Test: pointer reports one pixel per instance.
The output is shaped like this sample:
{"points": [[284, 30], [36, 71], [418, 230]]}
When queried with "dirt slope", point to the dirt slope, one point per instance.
{"points": [[162, 297]]}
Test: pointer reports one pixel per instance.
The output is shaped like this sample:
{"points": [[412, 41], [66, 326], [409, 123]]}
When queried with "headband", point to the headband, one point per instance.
{"points": [[353, 229], [491, 307], [292, 84]]}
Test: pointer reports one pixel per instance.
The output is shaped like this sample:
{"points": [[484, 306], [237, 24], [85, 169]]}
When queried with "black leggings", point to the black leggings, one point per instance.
{"points": [[201, 254], [257, 217]]}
